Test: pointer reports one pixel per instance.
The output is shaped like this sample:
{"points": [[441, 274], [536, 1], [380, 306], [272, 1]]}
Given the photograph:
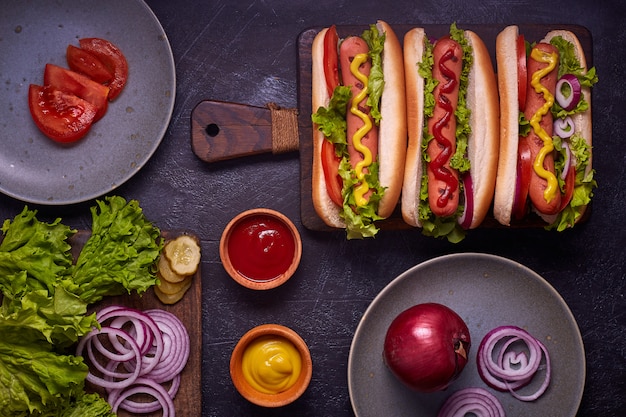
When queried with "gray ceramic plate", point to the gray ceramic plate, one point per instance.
{"points": [[33, 33], [486, 291]]}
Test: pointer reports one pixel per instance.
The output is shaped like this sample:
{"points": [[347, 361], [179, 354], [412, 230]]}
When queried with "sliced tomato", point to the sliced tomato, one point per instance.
{"points": [[113, 58], [570, 181], [88, 64], [524, 172], [78, 85], [61, 116], [522, 72], [331, 59], [330, 166]]}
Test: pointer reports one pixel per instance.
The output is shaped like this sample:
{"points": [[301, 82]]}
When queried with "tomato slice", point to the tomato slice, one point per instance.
{"points": [[113, 58], [78, 85], [88, 64], [331, 59], [524, 172], [522, 72], [61, 116], [330, 166], [570, 181]]}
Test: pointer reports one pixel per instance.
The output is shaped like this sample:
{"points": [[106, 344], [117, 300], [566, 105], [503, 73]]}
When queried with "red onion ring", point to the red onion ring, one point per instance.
{"points": [[138, 329], [125, 379], [564, 128], [477, 401], [571, 83], [147, 387], [152, 345], [148, 363], [569, 160], [468, 209], [176, 339], [509, 358]]}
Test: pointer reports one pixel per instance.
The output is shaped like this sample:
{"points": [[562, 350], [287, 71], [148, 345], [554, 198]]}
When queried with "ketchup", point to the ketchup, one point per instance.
{"points": [[261, 248], [437, 165]]}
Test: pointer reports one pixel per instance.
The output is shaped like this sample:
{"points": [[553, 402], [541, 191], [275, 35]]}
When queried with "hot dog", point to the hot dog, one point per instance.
{"points": [[545, 150], [359, 135], [452, 119]]}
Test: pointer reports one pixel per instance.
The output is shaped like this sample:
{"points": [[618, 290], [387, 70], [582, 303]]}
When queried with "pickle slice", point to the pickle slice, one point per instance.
{"points": [[183, 254]]}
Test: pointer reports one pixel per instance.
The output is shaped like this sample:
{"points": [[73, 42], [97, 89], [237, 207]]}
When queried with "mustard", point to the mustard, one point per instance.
{"points": [[271, 364], [548, 146], [363, 187]]}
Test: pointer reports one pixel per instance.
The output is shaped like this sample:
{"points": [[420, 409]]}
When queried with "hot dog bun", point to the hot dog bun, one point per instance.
{"points": [[326, 209], [482, 150], [506, 60], [506, 56], [392, 129]]}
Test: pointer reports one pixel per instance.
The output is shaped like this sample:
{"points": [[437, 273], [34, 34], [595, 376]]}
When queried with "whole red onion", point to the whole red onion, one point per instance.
{"points": [[427, 346]]}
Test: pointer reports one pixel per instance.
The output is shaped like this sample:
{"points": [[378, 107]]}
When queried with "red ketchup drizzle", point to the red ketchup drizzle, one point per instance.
{"points": [[261, 248], [437, 165]]}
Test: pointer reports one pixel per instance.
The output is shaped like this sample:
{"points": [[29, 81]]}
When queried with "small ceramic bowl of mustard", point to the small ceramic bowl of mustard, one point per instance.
{"points": [[271, 365], [260, 248]]}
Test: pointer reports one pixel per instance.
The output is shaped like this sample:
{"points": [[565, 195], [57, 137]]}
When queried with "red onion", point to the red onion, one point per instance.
{"points": [[568, 91], [509, 358], [468, 209], [153, 346], [147, 387], [476, 401], [426, 347], [122, 398], [564, 127], [176, 339], [569, 160], [109, 379], [149, 362]]}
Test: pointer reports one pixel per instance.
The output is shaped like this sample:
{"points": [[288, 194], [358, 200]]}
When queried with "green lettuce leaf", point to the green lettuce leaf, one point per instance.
{"points": [[583, 186], [60, 318], [87, 405], [34, 378], [376, 81], [33, 254], [45, 299], [331, 120], [131, 244]]}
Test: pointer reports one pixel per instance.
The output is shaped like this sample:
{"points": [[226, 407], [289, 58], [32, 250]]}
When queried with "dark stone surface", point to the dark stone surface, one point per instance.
{"points": [[245, 52]]}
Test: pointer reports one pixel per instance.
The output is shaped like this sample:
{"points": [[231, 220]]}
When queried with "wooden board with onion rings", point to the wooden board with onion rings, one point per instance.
{"points": [[487, 32], [188, 401]]}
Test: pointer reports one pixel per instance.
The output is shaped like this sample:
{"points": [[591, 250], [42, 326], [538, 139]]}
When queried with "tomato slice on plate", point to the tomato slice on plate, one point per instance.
{"points": [[113, 58], [522, 72], [78, 85], [330, 166], [86, 63], [61, 116], [331, 59]]}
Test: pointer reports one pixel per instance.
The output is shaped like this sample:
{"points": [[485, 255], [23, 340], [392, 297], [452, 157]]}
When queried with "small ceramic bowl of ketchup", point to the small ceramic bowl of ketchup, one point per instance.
{"points": [[271, 365], [260, 248]]}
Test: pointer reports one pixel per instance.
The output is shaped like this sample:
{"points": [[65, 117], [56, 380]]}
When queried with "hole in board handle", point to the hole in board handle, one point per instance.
{"points": [[212, 130]]}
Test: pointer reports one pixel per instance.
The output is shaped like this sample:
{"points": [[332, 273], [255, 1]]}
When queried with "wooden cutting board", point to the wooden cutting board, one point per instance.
{"points": [[188, 401], [488, 33]]}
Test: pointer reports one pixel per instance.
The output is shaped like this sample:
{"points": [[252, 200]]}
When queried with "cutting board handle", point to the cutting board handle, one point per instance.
{"points": [[222, 130]]}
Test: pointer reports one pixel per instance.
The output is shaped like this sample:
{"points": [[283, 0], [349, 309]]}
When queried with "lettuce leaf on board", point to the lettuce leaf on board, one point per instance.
{"points": [[33, 254], [120, 255], [45, 299]]}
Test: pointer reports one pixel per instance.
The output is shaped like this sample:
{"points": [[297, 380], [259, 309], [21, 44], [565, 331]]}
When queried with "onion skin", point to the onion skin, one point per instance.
{"points": [[427, 346]]}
